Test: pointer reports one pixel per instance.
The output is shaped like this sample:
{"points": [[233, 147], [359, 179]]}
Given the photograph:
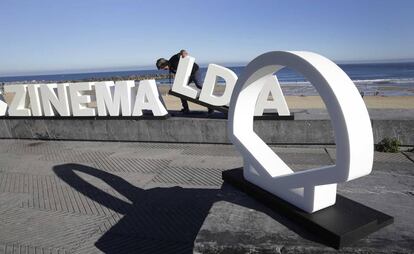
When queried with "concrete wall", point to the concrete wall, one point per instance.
{"points": [[194, 130]]}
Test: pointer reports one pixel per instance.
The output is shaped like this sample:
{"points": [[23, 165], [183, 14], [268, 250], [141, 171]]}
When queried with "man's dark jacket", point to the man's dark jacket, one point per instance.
{"points": [[173, 64]]}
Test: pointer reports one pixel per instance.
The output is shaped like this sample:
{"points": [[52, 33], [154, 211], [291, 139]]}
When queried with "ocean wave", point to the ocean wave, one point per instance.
{"points": [[307, 83], [386, 81]]}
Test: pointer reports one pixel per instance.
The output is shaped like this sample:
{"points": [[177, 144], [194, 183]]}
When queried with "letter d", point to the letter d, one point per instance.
{"points": [[213, 72]]}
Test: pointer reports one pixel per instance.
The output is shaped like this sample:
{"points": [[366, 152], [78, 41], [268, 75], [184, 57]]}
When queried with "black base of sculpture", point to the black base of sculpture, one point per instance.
{"points": [[145, 116], [274, 116], [225, 109], [339, 225]]}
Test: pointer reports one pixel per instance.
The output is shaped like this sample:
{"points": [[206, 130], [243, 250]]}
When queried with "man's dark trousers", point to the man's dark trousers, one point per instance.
{"points": [[194, 78]]}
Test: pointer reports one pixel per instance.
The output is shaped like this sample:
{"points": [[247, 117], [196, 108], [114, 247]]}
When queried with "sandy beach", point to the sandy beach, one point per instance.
{"points": [[305, 102], [294, 102]]}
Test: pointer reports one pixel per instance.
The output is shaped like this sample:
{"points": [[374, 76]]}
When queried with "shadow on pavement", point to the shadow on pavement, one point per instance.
{"points": [[158, 220]]}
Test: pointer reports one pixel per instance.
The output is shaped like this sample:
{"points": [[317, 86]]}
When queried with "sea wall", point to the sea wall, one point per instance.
{"points": [[191, 130]]}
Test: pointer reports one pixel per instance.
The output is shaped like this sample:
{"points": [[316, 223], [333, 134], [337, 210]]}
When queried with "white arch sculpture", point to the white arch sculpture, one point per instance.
{"points": [[315, 188]]}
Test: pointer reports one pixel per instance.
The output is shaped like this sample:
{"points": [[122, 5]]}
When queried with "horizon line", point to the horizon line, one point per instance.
{"points": [[150, 67]]}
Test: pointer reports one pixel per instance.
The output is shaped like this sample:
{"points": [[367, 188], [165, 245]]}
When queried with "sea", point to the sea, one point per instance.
{"points": [[373, 79]]}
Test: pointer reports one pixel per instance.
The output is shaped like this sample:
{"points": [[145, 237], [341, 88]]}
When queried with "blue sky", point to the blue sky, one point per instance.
{"points": [[52, 36]]}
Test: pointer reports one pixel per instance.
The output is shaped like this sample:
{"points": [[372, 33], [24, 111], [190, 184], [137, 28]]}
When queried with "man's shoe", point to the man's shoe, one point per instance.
{"points": [[185, 111], [210, 111]]}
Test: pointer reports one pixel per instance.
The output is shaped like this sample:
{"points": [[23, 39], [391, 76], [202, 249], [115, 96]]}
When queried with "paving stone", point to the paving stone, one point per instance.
{"points": [[142, 153], [219, 150], [306, 158], [31, 146], [378, 156], [298, 150], [103, 161], [167, 146], [122, 197], [207, 161], [46, 229], [390, 157], [410, 155], [190, 176], [17, 248], [406, 169]]}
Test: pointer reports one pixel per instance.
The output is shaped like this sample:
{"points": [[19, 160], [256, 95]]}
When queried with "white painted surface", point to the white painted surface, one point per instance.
{"points": [[182, 76], [277, 104], [213, 72], [312, 189], [147, 98], [52, 100], [18, 106], [79, 99], [34, 98], [114, 98]]}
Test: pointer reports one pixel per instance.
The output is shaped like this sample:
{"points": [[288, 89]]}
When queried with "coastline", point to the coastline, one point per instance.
{"points": [[293, 101], [315, 102], [368, 87], [302, 101]]}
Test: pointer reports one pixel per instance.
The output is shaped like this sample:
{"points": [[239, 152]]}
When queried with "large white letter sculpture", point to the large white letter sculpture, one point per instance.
{"points": [[182, 76], [119, 102], [278, 102], [34, 98], [313, 189], [271, 87], [230, 78], [18, 105], [79, 99], [148, 98], [60, 101]]}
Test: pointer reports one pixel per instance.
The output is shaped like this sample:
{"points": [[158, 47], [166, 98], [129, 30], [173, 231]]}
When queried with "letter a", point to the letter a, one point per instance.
{"points": [[271, 87]]}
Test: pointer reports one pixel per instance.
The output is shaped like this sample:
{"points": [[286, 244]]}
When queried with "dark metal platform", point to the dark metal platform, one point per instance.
{"points": [[225, 109], [339, 225]]}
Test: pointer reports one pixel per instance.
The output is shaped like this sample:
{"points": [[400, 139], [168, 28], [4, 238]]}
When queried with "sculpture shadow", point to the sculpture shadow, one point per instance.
{"points": [[157, 220]]}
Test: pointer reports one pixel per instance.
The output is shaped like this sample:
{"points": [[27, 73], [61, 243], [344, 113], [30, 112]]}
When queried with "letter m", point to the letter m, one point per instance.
{"points": [[114, 98]]}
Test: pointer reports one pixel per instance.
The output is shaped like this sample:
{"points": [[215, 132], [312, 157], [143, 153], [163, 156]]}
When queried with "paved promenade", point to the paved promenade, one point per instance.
{"points": [[120, 197]]}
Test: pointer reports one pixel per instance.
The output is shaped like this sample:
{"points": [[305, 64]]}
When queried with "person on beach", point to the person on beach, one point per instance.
{"points": [[172, 66]]}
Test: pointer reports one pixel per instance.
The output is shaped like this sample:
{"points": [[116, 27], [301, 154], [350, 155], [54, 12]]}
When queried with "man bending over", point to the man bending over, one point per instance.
{"points": [[172, 65]]}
